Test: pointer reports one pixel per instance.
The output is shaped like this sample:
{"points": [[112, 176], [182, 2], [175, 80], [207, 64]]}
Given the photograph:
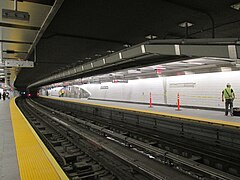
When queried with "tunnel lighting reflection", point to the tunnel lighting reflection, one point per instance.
{"points": [[188, 72], [226, 69], [185, 24]]}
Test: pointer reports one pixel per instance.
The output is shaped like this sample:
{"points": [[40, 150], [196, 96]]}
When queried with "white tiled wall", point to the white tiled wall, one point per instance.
{"points": [[134, 90], [206, 91]]}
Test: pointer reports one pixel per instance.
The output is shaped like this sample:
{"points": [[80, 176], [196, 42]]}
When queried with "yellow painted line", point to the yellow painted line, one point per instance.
{"points": [[185, 117], [34, 159]]}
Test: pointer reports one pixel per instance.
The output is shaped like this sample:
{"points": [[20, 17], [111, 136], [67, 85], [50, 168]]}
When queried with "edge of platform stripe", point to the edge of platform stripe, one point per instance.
{"points": [[185, 117], [54, 163]]}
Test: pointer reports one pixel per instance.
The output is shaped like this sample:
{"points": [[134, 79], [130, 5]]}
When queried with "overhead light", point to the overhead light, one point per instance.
{"points": [[150, 36], [185, 24], [194, 63], [110, 51], [159, 67], [88, 58], [126, 45], [188, 72], [98, 55], [226, 69], [236, 6], [133, 71]]}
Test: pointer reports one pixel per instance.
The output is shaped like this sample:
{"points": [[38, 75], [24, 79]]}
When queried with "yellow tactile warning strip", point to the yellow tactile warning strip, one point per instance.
{"points": [[34, 159], [190, 118]]}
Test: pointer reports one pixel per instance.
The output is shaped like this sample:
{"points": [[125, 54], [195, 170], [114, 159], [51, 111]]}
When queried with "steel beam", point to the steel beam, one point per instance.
{"points": [[18, 26], [222, 48], [53, 11]]}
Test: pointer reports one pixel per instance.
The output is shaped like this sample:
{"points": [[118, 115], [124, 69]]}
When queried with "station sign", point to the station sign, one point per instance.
{"points": [[16, 15], [16, 63]]}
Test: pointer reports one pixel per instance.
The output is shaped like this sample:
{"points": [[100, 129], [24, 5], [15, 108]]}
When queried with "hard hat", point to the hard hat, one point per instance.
{"points": [[228, 84]]}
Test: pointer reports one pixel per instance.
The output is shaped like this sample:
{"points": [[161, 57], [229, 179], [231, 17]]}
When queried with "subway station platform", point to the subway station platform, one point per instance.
{"points": [[22, 153], [207, 116], [8, 158]]}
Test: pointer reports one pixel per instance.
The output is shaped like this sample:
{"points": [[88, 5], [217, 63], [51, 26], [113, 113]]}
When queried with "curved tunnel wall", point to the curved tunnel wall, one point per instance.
{"points": [[202, 90], [195, 90]]}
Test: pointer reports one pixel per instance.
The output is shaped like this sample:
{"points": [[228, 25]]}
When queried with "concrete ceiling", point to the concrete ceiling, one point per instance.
{"points": [[84, 30]]}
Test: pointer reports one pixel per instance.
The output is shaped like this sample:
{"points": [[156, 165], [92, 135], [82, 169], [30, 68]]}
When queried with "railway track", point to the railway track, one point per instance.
{"points": [[83, 154], [193, 159]]}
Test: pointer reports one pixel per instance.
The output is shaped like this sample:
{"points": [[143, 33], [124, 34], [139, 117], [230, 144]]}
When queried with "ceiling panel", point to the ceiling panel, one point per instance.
{"points": [[14, 34], [83, 28], [17, 47], [37, 12], [14, 56]]}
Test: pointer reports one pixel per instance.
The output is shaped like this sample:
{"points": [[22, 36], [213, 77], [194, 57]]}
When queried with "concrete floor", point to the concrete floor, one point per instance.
{"points": [[8, 158]]}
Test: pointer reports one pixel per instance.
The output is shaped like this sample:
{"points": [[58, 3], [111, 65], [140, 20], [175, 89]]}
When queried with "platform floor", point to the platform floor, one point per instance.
{"points": [[22, 153], [34, 159], [188, 113], [8, 158]]}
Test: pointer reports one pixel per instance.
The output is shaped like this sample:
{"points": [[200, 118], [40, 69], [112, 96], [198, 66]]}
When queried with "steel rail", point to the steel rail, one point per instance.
{"points": [[176, 158], [126, 158]]}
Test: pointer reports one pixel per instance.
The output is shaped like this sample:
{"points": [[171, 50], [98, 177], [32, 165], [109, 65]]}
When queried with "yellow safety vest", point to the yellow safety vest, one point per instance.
{"points": [[228, 94]]}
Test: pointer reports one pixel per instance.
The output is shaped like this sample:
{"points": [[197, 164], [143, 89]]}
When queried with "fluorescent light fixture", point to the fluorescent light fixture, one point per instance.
{"points": [[98, 55], [110, 51], [196, 63], [226, 69], [162, 68], [133, 71], [236, 6], [185, 24], [126, 45], [188, 72], [150, 36]]}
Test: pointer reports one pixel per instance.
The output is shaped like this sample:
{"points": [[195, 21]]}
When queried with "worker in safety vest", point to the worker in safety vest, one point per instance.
{"points": [[229, 96]]}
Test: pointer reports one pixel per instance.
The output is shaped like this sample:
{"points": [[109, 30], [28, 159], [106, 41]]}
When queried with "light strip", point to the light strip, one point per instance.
{"points": [[177, 49], [120, 55], [143, 49], [232, 51]]}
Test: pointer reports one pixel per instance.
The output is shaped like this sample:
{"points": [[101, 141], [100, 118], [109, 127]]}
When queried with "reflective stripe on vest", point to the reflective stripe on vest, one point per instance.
{"points": [[228, 93]]}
